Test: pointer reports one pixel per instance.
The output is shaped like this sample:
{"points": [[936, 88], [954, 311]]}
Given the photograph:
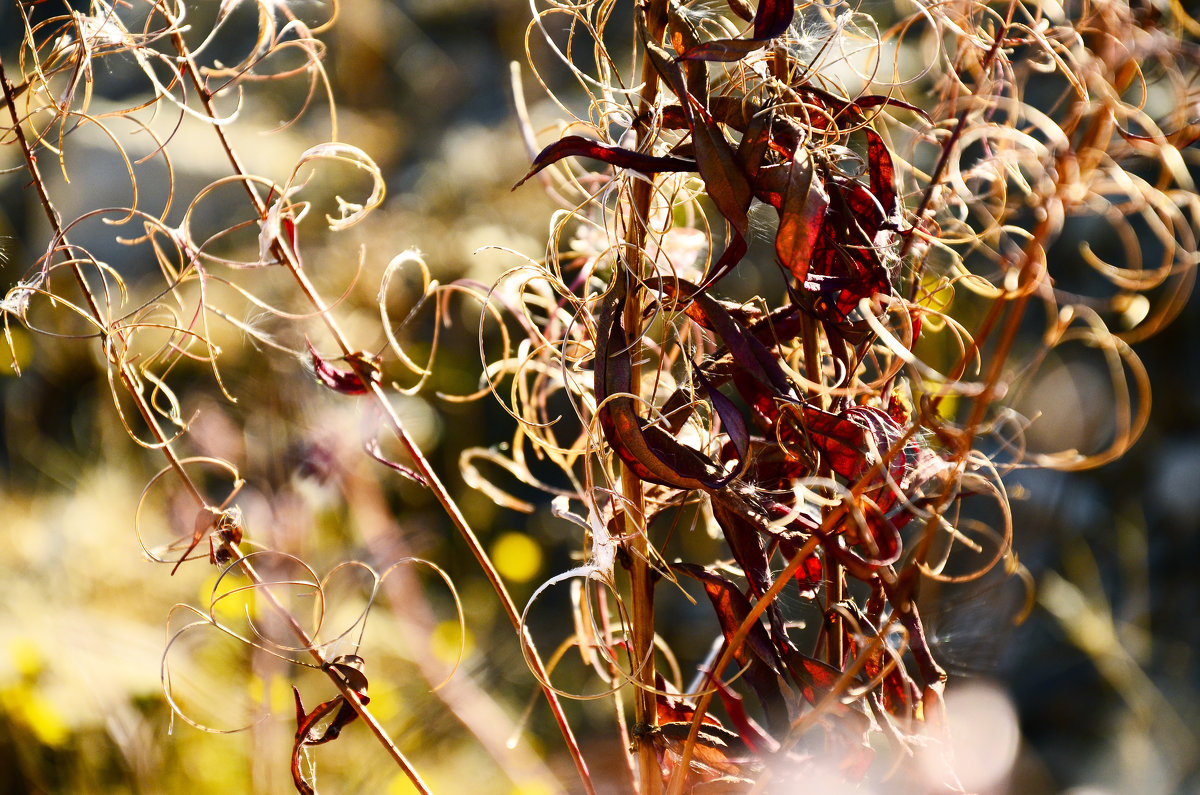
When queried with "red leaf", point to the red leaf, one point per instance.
{"points": [[348, 382], [756, 740], [882, 175], [814, 677], [578, 146], [652, 453], [773, 18], [810, 574], [723, 176], [758, 655], [801, 215], [845, 266]]}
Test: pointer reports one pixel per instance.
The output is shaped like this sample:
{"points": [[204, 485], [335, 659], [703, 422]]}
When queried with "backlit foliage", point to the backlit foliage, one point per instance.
{"points": [[808, 266]]}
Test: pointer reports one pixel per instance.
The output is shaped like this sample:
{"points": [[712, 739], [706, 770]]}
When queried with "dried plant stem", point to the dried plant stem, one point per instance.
{"points": [[129, 381], [641, 575], [835, 580], [348, 693], [289, 258], [679, 776], [473, 706]]}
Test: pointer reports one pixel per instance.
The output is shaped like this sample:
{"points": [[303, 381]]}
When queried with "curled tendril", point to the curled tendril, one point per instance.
{"points": [[876, 402], [352, 634]]}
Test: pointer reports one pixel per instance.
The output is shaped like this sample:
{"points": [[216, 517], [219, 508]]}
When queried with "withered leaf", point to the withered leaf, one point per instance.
{"points": [[802, 211], [649, 451], [773, 18], [758, 654], [347, 382], [578, 146]]}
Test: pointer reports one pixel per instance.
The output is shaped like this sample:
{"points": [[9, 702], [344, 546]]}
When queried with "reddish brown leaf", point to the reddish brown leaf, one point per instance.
{"points": [[672, 75], [773, 18], [347, 382], [306, 723], [578, 146], [308, 730], [717, 751], [649, 451], [672, 709], [723, 50], [756, 740], [742, 9], [801, 215], [882, 175], [746, 546], [758, 655]]}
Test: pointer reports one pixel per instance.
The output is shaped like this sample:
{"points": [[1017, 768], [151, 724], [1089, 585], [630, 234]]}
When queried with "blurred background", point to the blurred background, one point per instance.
{"points": [[1102, 677]]}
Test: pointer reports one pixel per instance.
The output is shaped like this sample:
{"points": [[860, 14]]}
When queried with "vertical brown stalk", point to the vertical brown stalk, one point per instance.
{"points": [[641, 575]]}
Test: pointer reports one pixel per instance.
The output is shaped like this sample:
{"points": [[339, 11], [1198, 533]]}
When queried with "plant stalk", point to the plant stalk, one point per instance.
{"points": [[288, 257]]}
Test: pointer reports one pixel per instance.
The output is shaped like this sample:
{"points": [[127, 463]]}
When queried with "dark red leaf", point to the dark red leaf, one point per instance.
{"points": [[882, 539], [773, 18], [752, 149], [732, 421], [757, 654], [882, 175], [885, 434], [348, 382], [746, 546], [724, 179], [288, 225], [845, 266], [649, 451], [746, 350], [839, 440], [801, 215], [756, 740], [899, 693], [578, 146], [810, 574]]}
